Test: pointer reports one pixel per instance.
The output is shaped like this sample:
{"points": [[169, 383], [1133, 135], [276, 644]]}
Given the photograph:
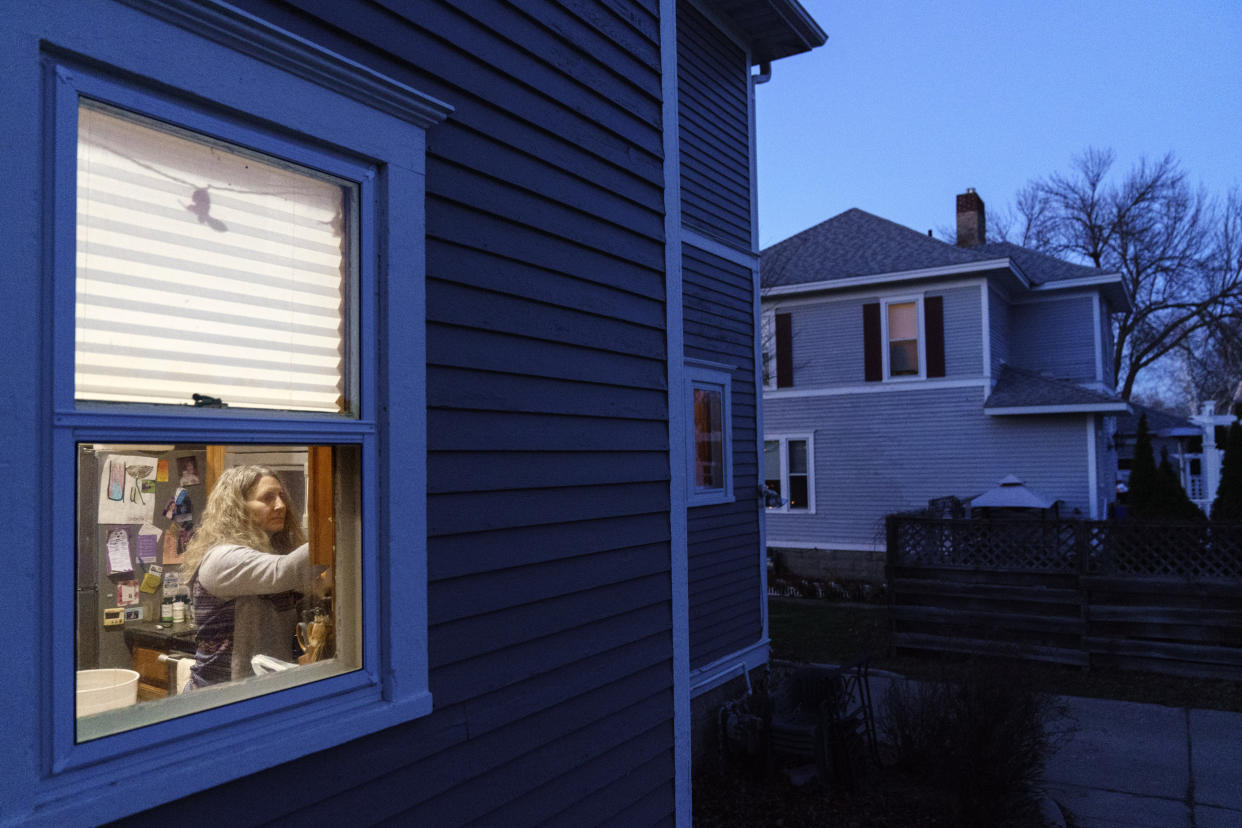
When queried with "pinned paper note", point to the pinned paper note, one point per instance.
{"points": [[171, 554], [148, 544], [161, 471], [126, 489], [172, 581], [127, 593], [118, 552], [151, 581]]}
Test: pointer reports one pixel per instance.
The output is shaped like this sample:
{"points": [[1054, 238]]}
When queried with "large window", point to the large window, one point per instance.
{"points": [[211, 276], [711, 451], [787, 470], [224, 309]]}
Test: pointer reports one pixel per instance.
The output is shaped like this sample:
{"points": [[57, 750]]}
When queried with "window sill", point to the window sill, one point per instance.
{"points": [[710, 499]]}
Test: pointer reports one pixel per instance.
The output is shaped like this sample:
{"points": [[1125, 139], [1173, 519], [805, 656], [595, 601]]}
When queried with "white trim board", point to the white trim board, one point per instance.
{"points": [[827, 546], [718, 248], [710, 676], [774, 301], [912, 384], [679, 572], [833, 285], [1081, 408]]}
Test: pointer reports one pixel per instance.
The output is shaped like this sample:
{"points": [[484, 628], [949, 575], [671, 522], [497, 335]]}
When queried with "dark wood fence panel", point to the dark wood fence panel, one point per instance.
{"points": [[1159, 597]]}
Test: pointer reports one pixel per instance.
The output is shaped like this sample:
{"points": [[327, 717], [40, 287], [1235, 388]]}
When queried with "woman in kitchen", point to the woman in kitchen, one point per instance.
{"points": [[249, 565]]}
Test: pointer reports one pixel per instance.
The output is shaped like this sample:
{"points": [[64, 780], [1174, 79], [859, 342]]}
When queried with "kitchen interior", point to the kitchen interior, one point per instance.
{"points": [[137, 508]]}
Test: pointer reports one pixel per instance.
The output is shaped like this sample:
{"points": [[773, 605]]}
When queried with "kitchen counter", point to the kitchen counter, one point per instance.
{"points": [[156, 635]]}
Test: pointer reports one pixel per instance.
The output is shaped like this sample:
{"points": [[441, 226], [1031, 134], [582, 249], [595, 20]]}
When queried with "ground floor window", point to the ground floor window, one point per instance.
{"points": [[787, 470]]}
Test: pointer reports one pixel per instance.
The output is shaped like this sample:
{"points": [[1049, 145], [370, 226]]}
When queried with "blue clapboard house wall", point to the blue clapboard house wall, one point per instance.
{"points": [[588, 242]]}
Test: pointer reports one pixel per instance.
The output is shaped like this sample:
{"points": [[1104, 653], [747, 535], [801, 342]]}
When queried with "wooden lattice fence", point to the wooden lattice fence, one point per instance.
{"points": [[1164, 597]]}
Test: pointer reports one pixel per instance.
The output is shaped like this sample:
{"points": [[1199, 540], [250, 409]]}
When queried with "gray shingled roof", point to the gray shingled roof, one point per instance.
{"points": [[1157, 420], [857, 243], [1020, 388], [1039, 267]]}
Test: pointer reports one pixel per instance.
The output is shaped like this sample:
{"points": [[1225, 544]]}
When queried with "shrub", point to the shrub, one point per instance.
{"points": [[980, 737]]}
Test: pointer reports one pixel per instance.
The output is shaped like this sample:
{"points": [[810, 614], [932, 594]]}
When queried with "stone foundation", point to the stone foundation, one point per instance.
{"points": [[832, 564]]}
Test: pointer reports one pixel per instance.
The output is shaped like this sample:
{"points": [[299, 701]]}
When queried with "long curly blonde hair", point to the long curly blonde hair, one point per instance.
{"points": [[226, 519]]}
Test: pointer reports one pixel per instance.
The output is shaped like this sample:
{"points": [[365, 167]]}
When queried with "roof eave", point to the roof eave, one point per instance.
{"points": [[1072, 408], [897, 276], [775, 28], [1112, 285]]}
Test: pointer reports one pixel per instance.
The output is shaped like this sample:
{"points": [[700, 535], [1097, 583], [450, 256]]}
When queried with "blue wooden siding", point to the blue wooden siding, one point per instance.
{"points": [[1056, 336], [963, 331], [998, 330], [549, 593], [828, 338], [713, 88], [725, 589], [878, 453]]}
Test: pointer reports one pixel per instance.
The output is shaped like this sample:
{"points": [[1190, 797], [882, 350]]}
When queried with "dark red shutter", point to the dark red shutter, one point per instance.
{"points": [[933, 328], [873, 366], [784, 351]]}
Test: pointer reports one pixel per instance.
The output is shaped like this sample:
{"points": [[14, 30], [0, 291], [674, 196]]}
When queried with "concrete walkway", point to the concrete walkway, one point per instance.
{"points": [[1130, 765]]}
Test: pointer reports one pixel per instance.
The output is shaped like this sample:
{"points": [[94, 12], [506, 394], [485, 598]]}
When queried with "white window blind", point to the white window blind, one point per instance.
{"points": [[206, 269]]}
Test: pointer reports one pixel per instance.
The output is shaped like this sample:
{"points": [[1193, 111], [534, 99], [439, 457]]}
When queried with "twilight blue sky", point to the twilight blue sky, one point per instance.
{"points": [[911, 102]]}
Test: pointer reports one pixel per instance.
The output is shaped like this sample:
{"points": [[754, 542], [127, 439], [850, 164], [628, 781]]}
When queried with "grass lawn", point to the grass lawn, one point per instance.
{"points": [[830, 632]]}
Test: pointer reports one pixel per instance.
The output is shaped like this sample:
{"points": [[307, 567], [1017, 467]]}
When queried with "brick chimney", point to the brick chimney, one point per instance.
{"points": [[972, 225]]}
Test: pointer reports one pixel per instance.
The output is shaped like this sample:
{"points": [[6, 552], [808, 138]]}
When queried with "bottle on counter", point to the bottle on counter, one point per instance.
{"points": [[166, 610], [179, 608]]}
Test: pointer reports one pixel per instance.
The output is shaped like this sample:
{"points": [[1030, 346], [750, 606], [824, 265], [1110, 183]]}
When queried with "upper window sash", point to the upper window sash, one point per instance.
{"points": [[767, 347], [81, 87]]}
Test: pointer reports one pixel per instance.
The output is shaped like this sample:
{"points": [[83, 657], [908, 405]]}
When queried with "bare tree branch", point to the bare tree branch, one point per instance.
{"points": [[1177, 251]]}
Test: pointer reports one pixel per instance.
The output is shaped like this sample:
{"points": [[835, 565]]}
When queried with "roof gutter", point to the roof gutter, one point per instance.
{"points": [[1105, 280], [899, 276]]}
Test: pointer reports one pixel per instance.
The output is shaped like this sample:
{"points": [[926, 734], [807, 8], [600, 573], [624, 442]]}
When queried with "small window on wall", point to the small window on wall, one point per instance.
{"points": [[787, 470], [711, 471], [208, 574]]}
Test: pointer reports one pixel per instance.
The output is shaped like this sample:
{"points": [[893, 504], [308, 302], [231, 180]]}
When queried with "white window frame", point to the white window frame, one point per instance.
{"points": [[767, 348], [784, 439], [710, 376], [234, 76], [917, 299]]}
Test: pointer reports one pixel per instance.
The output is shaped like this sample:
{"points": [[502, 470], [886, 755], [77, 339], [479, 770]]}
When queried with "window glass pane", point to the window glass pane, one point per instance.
{"points": [[797, 456], [207, 269], [708, 439], [903, 358], [772, 461], [797, 491], [903, 321], [208, 574]]}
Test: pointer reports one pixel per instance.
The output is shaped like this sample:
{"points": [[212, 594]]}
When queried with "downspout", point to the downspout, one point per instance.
{"points": [[765, 73]]}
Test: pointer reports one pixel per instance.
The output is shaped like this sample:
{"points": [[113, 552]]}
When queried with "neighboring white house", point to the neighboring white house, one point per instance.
{"points": [[900, 368]]}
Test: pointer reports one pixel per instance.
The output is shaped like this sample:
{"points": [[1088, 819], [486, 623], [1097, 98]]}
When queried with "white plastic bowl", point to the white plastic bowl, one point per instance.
{"points": [[100, 690]]}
